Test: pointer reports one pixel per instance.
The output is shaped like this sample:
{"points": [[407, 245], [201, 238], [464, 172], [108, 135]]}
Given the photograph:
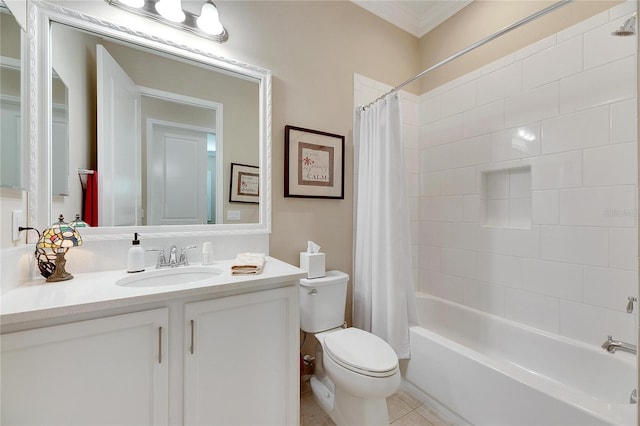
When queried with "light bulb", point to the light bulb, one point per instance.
{"points": [[133, 3], [209, 19], [170, 10]]}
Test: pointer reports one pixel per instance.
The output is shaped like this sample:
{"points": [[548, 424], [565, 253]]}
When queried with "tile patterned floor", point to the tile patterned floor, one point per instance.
{"points": [[404, 410]]}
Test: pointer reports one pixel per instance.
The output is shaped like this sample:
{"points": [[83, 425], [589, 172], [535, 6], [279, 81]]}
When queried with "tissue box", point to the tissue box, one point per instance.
{"points": [[313, 263]]}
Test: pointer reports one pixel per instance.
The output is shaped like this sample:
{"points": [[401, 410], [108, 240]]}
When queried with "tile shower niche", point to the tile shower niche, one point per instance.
{"points": [[505, 198]]}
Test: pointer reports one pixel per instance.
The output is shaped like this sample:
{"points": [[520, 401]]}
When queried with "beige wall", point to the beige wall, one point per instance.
{"points": [[484, 17], [313, 48]]}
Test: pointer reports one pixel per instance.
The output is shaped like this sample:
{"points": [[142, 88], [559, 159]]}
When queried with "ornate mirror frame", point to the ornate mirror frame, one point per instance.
{"points": [[40, 16]]}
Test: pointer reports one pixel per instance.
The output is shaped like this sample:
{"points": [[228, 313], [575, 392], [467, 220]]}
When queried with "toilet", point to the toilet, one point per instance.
{"points": [[355, 371]]}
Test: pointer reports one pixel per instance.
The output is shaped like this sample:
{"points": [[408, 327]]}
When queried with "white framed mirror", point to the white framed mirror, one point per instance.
{"points": [[157, 122], [12, 105]]}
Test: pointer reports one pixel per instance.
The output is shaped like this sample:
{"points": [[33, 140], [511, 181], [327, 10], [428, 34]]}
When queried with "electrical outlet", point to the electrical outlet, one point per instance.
{"points": [[16, 222]]}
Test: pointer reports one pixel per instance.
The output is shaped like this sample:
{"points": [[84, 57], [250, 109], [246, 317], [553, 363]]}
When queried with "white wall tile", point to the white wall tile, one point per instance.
{"points": [[435, 158], [414, 209], [458, 99], [484, 297], [413, 184], [562, 60], [484, 119], [468, 236], [623, 248], [623, 9], [534, 309], [520, 183], [600, 47], [446, 286], [536, 47], [430, 109], [410, 134], [471, 208], [497, 213], [495, 184], [598, 206], [412, 160], [409, 109], [609, 288], [584, 26], [512, 242], [610, 165], [584, 129], [609, 83], [577, 130], [458, 262], [502, 83], [436, 234], [532, 105], [545, 209], [448, 129], [624, 121], [499, 269], [520, 213], [556, 279], [555, 171], [459, 181], [470, 152], [574, 244], [444, 208], [592, 324], [519, 142], [430, 257], [430, 184]]}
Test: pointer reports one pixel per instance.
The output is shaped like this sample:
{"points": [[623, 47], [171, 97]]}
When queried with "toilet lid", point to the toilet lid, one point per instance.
{"points": [[361, 352]]}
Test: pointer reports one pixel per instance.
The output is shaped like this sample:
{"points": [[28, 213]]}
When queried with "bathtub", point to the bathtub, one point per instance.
{"points": [[482, 369]]}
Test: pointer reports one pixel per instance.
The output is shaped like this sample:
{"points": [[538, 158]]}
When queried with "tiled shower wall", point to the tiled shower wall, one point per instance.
{"points": [[528, 184]]}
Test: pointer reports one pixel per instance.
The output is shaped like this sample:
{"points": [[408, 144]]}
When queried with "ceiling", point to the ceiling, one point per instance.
{"points": [[417, 17]]}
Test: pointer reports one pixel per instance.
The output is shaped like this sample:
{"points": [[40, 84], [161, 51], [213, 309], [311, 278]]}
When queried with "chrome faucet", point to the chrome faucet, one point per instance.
{"points": [[174, 260], [630, 301], [612, 346]]}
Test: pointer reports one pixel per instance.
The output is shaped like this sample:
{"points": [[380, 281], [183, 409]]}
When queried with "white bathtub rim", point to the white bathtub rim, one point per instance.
{"points": [[573, 397], [615, 413], [628, 359]]}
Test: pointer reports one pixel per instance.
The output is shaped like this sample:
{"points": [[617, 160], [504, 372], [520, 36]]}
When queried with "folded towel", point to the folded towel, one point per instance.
{"points": [[247, 264]]}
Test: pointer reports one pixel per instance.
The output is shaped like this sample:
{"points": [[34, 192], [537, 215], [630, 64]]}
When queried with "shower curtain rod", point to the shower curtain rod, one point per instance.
{"points": [[475, 45]]}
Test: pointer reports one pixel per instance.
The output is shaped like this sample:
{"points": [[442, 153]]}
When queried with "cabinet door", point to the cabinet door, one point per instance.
{"points": [[241, 361], [108, 371]]}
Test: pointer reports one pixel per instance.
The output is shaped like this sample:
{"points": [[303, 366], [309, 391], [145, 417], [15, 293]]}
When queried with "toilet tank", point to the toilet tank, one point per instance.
{"points": [[322, 302]]}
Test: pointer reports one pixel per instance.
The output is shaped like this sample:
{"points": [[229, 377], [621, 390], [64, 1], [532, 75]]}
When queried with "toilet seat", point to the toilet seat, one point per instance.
{"points": [[361, 352]]}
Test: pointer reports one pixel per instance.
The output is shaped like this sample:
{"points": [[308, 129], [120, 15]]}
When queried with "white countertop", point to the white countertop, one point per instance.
{"points": [[37, 300]]}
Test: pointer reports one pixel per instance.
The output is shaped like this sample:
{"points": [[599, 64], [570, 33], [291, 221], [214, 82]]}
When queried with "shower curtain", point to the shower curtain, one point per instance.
{"points": [[383, 298]]}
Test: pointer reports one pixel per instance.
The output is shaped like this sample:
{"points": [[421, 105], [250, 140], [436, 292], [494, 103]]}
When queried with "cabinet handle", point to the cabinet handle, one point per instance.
{"points": [[159, 345], [192, 336]]}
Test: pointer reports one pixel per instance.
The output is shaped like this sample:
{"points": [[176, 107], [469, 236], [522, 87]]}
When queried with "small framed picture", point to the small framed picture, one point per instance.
{"points": [[245, 184], [314, 164]]}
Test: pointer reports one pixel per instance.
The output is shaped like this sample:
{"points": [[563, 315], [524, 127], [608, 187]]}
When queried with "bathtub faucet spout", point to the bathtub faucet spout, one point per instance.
{"points": [[613, 345]]}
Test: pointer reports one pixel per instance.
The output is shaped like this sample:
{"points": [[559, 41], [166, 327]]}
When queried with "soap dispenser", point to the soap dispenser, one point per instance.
{"points": [[135, 256]]}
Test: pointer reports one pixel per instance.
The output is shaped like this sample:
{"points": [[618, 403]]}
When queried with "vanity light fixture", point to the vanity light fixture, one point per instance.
{"points": [[170, 12], [53, 244]]}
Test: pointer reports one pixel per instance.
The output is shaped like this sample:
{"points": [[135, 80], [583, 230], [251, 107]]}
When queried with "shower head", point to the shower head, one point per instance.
{"points": [[627, 29]]}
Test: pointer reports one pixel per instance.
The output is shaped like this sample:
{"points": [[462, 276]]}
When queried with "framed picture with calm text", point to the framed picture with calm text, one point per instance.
{"points": [[245, 184], [314, 164]]}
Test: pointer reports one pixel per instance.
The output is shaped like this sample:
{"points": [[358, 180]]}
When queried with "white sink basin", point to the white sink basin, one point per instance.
{"points": [[169, 276]]}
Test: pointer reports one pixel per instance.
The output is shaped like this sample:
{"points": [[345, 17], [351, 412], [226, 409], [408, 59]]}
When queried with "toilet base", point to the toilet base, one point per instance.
{"points": [[346, 409]]}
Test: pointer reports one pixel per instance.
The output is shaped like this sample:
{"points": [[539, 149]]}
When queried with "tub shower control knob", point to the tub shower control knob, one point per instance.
{"points": [[631, 299]]}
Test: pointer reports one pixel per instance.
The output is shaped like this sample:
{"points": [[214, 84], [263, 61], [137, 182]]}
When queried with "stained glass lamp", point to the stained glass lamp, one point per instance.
{"points": [[54, 243]]}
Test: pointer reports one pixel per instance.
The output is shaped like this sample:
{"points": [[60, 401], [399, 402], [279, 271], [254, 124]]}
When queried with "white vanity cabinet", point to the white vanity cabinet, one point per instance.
{"points": [[241, 365], [111, 370]]}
